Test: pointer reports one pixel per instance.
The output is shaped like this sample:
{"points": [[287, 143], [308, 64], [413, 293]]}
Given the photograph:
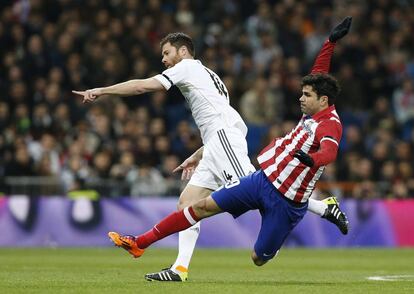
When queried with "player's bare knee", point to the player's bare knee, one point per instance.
{"points": [[181, 204], [200, 208], [258, 261]]}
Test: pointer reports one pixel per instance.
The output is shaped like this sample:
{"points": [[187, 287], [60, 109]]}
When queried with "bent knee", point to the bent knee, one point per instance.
{"points": [[201, 207], [191, 196], [182, 204], [206, 207], [184, 201], [258, 262]]}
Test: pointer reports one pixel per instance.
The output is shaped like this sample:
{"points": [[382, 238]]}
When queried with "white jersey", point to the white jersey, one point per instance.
{"points": [[206, 95]]}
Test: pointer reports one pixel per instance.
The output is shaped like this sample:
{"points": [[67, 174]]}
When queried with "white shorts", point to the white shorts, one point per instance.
{"points": [[225, 159]]}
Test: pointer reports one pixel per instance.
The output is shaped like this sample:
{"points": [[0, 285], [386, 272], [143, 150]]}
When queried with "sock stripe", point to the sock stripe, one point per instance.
{"points": [[191, 211], [188, 215]]}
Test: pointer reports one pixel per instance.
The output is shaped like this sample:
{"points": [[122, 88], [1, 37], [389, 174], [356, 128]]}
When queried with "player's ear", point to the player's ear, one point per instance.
{"points": [[183, 50], [324, 99]]}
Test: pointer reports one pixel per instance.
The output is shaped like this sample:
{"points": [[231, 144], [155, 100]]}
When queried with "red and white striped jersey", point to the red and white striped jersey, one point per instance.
{"points": [[292, 178]]}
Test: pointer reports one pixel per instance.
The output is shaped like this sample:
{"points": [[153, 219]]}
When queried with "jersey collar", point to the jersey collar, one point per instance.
{"points": [[324, 112]]}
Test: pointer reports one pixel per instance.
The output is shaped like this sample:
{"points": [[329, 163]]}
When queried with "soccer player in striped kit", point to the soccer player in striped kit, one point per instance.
{"points": [[290, 168]]}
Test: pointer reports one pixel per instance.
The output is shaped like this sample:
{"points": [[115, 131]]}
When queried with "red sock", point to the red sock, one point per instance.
{"points": [[175, 222]]}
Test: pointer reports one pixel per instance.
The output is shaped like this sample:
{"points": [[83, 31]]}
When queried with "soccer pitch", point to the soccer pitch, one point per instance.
{"points": [[212, 271]]}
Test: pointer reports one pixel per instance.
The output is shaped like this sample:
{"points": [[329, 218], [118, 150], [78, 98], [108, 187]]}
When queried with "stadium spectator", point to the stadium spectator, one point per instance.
{"points": [[403, 102], [146, 181], [45, 150], [21, 164], [74, 172], [259, 105], [172, 179], [124, 166]]}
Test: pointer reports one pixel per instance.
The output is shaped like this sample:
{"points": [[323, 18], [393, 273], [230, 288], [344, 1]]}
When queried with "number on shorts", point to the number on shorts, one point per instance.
{"points": [[232, 184]]}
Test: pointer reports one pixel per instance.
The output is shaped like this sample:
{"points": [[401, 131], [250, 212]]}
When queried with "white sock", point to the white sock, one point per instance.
{"points": [[317, 206], [186, 242]]}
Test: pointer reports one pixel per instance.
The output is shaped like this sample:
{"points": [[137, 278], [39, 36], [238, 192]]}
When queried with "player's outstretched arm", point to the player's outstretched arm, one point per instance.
{"points": [[341, 29], [323, 61], [129, 88]]}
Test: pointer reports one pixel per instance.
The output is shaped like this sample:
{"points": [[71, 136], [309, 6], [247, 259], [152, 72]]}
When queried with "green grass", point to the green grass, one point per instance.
{"points": [[212, 271]]}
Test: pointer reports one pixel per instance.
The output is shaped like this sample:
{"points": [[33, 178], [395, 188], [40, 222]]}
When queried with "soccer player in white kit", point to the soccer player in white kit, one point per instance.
{"points": [[224, 155]]}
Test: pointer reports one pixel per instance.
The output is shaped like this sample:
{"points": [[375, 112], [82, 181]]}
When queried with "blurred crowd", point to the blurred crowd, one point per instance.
{"points": [[261, 49]]}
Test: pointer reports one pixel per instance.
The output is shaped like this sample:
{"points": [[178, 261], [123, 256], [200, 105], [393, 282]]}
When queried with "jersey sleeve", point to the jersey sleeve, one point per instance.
{"points": [[323, 61], [172, 76], [330, 130], [329, 135]]}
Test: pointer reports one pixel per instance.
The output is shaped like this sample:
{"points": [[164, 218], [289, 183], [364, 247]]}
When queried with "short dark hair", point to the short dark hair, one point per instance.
{"points": [[324, 85], [179, 39]]}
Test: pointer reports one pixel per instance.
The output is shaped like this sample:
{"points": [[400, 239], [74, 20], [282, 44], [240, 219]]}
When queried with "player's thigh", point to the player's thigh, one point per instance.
{"points": [[192, 194], [240, 196], [229, 153], [204, 175]]}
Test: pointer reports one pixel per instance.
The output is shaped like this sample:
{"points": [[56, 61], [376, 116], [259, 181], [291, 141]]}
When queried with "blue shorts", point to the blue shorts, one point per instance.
{"points": [[279, 214]]}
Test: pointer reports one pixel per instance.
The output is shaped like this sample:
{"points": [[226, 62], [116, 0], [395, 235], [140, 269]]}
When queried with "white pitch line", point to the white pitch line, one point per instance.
{"points": [[390, 278]]}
